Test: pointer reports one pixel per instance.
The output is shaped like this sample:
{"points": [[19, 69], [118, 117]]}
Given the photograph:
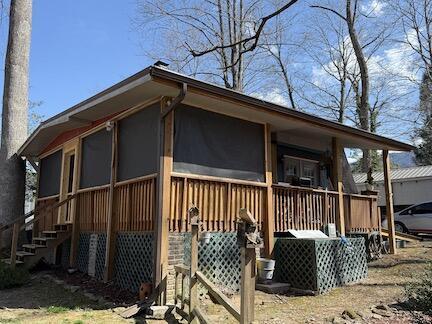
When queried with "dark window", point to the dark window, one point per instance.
{"points": [[212, 144], [138, 141], [96, 159], [49, 176], [422, 209]]}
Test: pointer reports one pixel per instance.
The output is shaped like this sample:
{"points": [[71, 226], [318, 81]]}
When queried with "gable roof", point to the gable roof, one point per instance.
{"points": [[155, 81], [398, 174]]}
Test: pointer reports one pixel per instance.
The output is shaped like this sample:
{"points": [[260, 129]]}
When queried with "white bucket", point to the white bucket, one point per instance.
{"points": [[265, 268]]}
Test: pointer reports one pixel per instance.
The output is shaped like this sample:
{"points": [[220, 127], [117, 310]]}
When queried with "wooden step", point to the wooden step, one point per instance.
{"points": [[31, 248], [21, 255], [42, 240], [8, 261], [63, 227], [24, 253]]}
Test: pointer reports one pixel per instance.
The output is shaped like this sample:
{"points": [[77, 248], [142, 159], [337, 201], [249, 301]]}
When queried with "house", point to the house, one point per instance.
{"points": [[118, 172], [410, 186]]}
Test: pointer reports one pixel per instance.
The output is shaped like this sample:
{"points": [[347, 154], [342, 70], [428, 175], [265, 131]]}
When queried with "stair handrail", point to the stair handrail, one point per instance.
{"points": [[18, 225], [36, 211]]}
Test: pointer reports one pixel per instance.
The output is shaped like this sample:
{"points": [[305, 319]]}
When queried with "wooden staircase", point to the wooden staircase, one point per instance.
{"points": [[41, 246]]}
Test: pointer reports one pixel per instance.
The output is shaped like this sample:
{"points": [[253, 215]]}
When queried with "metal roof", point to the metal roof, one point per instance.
{"points": [[398, 174]]}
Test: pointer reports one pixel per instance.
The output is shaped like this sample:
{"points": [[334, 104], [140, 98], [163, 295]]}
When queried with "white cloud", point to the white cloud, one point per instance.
{"points": [[374, 7], [275, 96]]}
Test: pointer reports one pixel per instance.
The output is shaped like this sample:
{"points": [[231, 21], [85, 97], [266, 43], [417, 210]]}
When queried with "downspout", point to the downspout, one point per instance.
{"points": [[159, 274], [175, 102]]}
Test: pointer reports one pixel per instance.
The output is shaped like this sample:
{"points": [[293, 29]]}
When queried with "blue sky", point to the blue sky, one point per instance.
{"points": [[78, 49]]}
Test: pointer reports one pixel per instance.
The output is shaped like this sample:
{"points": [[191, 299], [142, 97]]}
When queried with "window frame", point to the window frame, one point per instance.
{"points": [[301, 164]]}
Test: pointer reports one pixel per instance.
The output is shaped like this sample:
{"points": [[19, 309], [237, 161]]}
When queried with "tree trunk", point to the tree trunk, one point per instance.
{"points": [[363, 109], [15, 110]]}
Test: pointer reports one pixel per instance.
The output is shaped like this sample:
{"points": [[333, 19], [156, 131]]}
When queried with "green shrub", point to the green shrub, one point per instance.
{"points": [[10, 278], [57, 309], [419, 293]]}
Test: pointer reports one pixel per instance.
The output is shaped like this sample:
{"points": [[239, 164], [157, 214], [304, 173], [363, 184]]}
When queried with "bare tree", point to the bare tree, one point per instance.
{"points": [[350, 17], [15, 110], [415, 20], [225, 32]]}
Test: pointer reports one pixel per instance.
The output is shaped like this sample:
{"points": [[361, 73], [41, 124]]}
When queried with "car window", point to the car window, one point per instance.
{"points": [[406, 212], [425, 208]]}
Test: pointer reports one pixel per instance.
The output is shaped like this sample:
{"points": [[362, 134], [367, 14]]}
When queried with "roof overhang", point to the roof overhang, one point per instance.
{"points": [[154, 82]]}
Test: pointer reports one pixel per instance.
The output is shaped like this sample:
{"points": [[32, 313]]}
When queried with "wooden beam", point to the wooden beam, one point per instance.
{"points": [[269, 219], [75, 215], [218, 295], [15, 234], [111, 237], [163, 192], [338, 183], [389, 202]]}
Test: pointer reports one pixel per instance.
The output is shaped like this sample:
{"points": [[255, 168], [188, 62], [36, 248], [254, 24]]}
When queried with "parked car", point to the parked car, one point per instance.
{"points": [[414, 219]]}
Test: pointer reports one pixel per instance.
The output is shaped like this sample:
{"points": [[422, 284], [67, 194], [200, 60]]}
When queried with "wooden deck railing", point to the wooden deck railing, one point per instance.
{"points": [[134, 208], [361, 213], [218, 200], [303, 208], [309, 209]]}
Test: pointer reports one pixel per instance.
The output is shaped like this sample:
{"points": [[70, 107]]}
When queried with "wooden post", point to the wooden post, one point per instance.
{"points": [[193, 286], [15, 234], [75, 215], [248, 257], [111, 237], [269, 220], [389, 202], [338, 183], [163, 192]]}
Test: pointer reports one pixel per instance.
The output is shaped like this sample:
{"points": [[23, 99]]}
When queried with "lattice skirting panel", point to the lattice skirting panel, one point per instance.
{"points": [[319, 265], [91, 254], [134, 260], [219, 260]]}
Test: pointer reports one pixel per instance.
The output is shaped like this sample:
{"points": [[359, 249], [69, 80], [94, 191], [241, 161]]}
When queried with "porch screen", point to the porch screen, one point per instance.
{"points": [[138, 141], [49, 176], [96, 159], [208, 143]]}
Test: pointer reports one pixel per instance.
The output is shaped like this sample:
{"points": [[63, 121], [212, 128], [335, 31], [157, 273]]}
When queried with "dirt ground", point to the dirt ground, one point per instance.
{"points": [[45, 301]]}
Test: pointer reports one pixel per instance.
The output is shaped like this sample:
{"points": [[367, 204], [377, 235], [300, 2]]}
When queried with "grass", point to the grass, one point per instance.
{"points": [[11, 278], [57, 309]]}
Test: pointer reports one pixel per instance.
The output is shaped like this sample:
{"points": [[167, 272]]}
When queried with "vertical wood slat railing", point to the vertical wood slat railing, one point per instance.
{"points": [[92, 209], [218, 201], [361, 213], [303, 208], [135, 204]]}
